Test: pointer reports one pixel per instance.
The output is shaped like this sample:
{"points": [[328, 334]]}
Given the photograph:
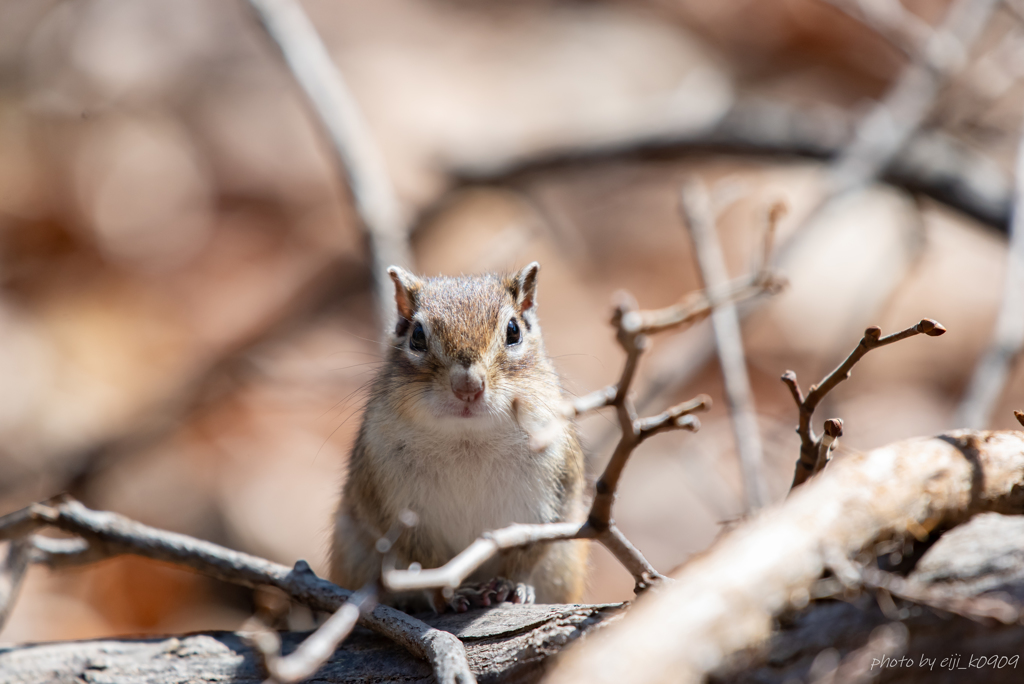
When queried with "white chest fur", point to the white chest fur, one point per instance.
{"points": [[461, 485]]}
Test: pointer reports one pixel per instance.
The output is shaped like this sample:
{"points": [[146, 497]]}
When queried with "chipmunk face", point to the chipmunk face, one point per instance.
{"points": [[463, 345]]}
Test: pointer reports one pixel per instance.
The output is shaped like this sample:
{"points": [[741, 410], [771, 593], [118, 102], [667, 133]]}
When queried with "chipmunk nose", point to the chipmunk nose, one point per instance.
{"points": [[468, 383]]}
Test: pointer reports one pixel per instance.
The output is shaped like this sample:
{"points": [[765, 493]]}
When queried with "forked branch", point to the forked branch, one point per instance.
{"points": [[810, 444]]}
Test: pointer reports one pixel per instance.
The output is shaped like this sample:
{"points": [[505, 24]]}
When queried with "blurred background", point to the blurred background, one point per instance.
{"points": [[187, 314]]}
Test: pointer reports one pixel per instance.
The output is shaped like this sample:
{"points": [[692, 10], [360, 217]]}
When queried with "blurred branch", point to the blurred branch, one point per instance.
{"points": [[885, 130], [699, 216], [946, 599], [932, 162], [890, 19], [725, 599], [809, 443], [1016, 7], [995, 366], [376, 203], [109, 534]]}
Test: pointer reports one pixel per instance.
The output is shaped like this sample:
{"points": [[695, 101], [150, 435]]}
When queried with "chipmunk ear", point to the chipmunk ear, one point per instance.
{"points": [[406, 288], [526, 287]]}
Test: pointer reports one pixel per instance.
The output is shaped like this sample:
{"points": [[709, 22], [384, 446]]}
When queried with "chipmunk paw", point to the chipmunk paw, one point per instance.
{"points": [[484, 594]]}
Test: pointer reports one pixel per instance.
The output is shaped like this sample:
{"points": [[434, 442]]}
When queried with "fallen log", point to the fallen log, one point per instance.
{"points": [[509, 644], [726, 599]]}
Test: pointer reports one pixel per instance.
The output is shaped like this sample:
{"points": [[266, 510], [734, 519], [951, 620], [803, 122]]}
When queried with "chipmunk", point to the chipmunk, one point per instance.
{"points": [[439, 438]]}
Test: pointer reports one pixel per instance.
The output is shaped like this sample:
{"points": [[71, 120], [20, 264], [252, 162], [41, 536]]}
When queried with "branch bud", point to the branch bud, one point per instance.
{"points": [[930, 327]]}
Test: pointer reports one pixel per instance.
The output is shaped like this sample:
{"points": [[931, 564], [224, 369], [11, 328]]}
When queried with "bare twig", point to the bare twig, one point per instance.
{"points": [[287, 24], [809, 444], [855, 575], [12, 573], [699, 216], [829, 441], [109, 534], [973, 607], [994, 369], [316, 649], [454, 573]]}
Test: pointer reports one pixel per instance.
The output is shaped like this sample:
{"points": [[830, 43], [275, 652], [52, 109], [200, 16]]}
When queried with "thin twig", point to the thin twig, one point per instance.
{"points": [[697, 212], [454, 572], [993, 370], [12, 574], [829, 441], [872, 339], [318, 647], [109, 534], [853, 575], [376, 203], [984, 607]]}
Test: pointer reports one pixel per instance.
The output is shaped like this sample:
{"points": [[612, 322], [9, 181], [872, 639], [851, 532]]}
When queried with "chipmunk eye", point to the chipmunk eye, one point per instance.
{"points": [[418, 340], [512, 334]]}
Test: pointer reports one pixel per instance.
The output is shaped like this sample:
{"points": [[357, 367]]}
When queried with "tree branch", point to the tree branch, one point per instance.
{"points": [[809, 443], [695, 205], [453, 573], [933, 163], [315, 650], [995, 366], [321, 81], [110, 534], [12, 573]]}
